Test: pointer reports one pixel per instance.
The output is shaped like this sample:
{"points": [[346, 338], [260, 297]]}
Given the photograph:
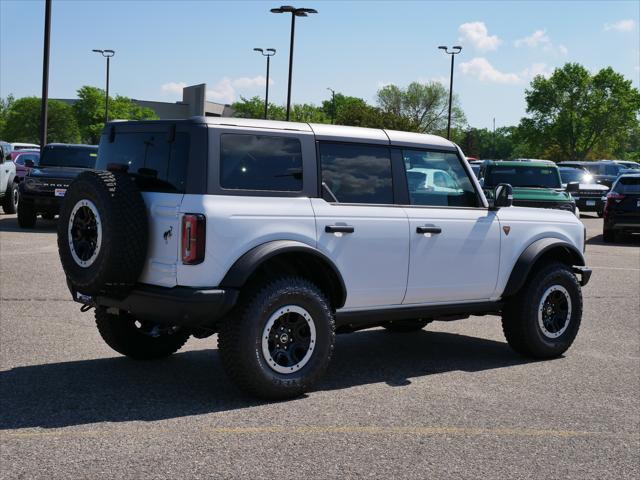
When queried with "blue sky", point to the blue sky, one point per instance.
{"points": [[352, 47]]}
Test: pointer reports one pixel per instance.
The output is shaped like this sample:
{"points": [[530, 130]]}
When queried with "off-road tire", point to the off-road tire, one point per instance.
{"points": [[123, 246], [11, 198], [121, 334], [520, 315], [26, 215], [406, 326], [240, 339]]}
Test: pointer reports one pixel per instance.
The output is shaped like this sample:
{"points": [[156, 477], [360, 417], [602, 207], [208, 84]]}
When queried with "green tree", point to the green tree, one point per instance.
{"points": [[424, 104], [5, 106], [22, 123], [362, 115], [341, 102], [89, 111], [254, 108], [573, 113]]}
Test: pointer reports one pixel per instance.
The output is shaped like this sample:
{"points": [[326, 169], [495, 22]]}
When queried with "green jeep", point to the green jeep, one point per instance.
{"points": [[536, 183]]}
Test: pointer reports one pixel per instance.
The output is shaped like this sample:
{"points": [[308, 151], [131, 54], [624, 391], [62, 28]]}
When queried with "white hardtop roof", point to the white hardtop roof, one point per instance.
{"points": [[340, 133]]}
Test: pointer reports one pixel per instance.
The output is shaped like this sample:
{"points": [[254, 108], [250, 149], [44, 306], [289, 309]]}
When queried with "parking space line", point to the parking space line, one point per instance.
{"points": [[349, 430]]}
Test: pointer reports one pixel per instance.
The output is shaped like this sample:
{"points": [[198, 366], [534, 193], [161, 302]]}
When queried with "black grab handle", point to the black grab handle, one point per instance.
{"points": [[434, 230], [339, 229]]}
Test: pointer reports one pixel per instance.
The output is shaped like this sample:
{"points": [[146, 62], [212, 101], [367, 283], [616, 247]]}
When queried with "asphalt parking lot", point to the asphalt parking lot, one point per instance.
{"points": [[452, 401]]}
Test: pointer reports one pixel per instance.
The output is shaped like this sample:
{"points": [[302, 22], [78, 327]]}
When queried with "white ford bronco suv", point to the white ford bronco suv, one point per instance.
{"points": [[278, 235]]}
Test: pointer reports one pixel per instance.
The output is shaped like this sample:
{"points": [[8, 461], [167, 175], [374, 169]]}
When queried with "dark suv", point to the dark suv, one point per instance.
{"points": [[604, 172], [622, 210], [44, 187]]}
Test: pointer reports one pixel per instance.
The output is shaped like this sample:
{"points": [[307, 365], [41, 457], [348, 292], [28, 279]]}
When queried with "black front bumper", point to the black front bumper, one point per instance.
{"points": [[42, 202], [182, 306], [584, 272]]}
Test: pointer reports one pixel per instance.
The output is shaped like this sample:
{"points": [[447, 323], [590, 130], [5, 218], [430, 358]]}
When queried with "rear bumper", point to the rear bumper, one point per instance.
{"points": [[182, 306], [590, 204]]}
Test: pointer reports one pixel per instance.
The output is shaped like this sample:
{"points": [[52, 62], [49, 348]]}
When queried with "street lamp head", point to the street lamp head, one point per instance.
{"points": [[108, 53], [442, 47], [458, 48], [258, 50], [283, 9], [97, 51], [272, 50]]}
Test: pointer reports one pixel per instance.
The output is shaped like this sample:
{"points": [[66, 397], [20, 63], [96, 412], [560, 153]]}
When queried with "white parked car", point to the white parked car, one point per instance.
{"points": [[277, 235]]}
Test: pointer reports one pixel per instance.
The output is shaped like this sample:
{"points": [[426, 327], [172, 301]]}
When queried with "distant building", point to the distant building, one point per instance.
{"points": [[194, 103]]}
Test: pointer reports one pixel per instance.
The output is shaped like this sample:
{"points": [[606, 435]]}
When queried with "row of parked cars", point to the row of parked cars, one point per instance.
{"points": [[610, 188]]}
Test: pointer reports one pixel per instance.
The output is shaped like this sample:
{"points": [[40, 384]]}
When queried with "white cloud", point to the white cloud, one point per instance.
{"points": [[481, 69], [476, 34], [173, 87], [533, 40], [539, 38], [226, 90], [620, 26]]}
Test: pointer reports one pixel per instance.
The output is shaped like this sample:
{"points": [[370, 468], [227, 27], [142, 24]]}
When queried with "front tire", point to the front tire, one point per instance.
{"points": [[11, 197], [26, 215], [138, 339], [543, 319], [279, 341]]}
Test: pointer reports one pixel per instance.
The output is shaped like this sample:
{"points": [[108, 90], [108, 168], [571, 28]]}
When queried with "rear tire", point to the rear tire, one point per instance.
{"points": [[543, 319], [10, 201], [136, 339], [278, 342], [406, 326], [608, 235], [26, 215]]}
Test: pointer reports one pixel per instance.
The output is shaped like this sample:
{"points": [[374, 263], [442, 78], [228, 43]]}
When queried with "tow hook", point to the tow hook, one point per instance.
{"points": [[584, 272]]}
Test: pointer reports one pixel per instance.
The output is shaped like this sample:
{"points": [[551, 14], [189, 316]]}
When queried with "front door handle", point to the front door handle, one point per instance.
{"points": [[434, 230], [339, 229]]}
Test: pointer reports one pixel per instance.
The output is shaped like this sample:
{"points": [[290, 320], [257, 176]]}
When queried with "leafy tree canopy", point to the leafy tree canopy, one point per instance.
{"points": [[22, 122], [573, 113]]}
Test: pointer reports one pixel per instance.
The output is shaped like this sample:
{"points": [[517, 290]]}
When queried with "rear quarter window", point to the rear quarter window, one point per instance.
{"points": [[155, 163], [260, 162]]}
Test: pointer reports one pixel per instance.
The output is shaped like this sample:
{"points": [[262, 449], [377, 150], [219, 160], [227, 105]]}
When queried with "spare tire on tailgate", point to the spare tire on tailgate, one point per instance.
{"points": [[102, 233]]}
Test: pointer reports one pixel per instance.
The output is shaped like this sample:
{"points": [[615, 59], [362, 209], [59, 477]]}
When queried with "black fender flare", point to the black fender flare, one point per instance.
{"points": [[248, 263], [533, 253]]}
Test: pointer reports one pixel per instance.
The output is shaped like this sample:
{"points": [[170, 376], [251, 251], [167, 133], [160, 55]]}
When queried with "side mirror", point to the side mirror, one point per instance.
{"points": [[573, 187], [503, 196], [29, 164]]}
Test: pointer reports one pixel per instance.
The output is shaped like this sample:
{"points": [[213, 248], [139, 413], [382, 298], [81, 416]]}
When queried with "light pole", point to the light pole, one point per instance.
{"points": [[270, 52], [454, 51], [107, 54], [333, 105], [295, 12], [45, 75]]}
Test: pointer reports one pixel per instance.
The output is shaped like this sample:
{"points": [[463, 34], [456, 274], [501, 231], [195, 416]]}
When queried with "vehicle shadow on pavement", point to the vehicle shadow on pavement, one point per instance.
{"points": [[627, 241], [193, 383], [10, 224]]}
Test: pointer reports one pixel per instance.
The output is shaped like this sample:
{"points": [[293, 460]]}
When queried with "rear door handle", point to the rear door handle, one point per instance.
{"points": [[339, 229], [434, 230]]}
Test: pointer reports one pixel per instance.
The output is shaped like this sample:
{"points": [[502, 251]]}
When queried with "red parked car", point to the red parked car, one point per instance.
{"points": [[19, 157]]}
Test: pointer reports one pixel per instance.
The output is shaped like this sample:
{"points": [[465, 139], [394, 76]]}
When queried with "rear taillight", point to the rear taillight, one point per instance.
{"points": [[615, 196], [193, 238]]}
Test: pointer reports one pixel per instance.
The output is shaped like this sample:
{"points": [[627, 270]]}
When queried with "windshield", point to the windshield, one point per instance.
{"points": [[67, 156], [603, 168], [522, 176], [23, 157], [570, 175]]}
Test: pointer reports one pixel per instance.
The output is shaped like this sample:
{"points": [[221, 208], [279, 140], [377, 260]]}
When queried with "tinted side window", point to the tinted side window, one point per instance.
{"points": [[156, 164], [356, 173], [260, 162], [438, 179]]}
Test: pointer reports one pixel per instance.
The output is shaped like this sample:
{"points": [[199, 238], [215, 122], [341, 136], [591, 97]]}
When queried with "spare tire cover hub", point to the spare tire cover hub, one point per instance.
{"points": [[84, 233]]}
